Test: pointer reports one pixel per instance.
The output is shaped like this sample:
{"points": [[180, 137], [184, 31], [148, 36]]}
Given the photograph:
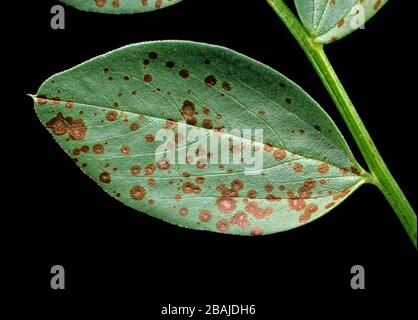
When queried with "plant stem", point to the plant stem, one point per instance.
{"points": [[381, 175]]}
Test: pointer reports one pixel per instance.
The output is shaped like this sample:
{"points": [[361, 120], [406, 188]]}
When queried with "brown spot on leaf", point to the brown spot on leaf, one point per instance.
{"points": [[222, 225], [147, 78], [355, 170], [134, 126], [210, 81], [100, 3], [184, 73], [150, 169], [125, 150], [184, 211], [252, 194], [297, 168], [323, 168], [258, 212], [240, 219], [257, 231], [205, 215], [149, 138], [279, 154], [135, 170], [329, 205], [153, 55], [59, 125], [225, 204], [295, 202], [377, 5], [138, 192], [226, 86], [268, 187], [98, 149], [105, 177], [190, 188], [111, 115]]}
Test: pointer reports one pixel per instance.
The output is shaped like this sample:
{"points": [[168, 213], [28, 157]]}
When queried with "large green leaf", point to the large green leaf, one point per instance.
{"points": [[106, 113], [120, 6], [331, 20]]}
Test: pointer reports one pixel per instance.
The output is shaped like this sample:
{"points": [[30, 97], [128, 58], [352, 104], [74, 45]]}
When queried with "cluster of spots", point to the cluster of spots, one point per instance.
{"points": [[116, 3], [258, 212], [78, 151], [190, 188], [60, 125], [240, 219]]}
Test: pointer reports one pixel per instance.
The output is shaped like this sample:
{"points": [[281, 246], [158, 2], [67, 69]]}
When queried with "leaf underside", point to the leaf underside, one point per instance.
{"points": [[120, 6], [105, 114], [331, 20]]}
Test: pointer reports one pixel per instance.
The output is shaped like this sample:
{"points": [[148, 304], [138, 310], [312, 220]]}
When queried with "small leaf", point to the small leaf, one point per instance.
{"points": [[119, 6], [107, 114], [331, 20]]}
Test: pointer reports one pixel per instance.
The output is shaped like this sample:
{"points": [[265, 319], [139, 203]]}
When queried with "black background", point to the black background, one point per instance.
{"points": [[116, 258]]}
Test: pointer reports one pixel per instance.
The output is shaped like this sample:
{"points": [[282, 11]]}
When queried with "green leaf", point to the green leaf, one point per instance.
{"points": [[119, 6], [331, 20], [107, 113]]}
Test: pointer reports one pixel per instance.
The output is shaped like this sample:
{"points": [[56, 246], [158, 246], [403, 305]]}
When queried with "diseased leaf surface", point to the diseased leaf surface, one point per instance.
{"points": [[107, 112], [331, 20], [119, 6]]}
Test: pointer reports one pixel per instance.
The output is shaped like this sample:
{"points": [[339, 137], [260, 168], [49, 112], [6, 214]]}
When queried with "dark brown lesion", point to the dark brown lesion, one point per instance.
{"points": [[60, 125]]}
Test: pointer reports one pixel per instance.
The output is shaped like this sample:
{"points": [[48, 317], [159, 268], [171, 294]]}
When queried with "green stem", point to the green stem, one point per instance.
{"points": [[381, 175]]}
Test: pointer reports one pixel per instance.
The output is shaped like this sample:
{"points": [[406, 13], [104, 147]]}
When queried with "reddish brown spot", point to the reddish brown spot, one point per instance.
{"points": [[295, 202], [226, 86], [210, 81], [150, 169], [273, 198], [135, 170], [341, 194], [252, 194], [69, 104], [257, 231], [200, 180], [41, 101], [115, 4], [125, 150], [323, 168], [329, 205], [240, 219], [98, 149], [186, 174], [268, 148], [184, 73], [100, 3], [85, 149], [189, 112], [190, 188], [134, 126], [111, 115], [138, 192], [340, 23], [268, 187], [322, 181], [282, 188], [355, 170], [184, 212], [297, 167], [178, 197], [309, 210], [105, 177], [258, 212], [207, 123], [225, 204], [59, 125], [163, 164], [158, 4], [152, 182], [205, 215], [149, 138], [333, 39], [377, 4], [76, 151], [147, 78], [343, 170], [200, 164], [222, 225], [332, 3], [279, 154]]}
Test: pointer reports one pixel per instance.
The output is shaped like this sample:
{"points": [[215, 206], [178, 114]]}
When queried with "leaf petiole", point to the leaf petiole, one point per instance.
{"points": [[380, 174]]}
